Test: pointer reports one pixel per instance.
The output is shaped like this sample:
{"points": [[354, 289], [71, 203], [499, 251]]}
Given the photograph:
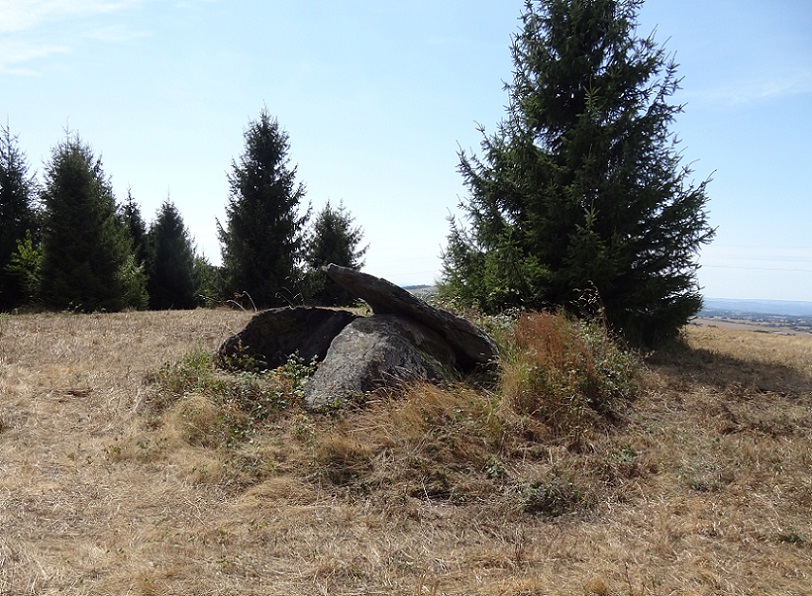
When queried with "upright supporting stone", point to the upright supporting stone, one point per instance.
{"points": [[271, 336], [374, 352]]}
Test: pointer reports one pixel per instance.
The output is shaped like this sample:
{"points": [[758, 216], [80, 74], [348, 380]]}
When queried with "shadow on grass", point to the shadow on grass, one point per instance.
{"points": [[700, 366]]}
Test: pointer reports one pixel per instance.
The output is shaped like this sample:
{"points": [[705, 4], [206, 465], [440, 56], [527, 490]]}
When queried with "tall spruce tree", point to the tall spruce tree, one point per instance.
{"points": [[580, 192], [262, 241], [333, 239], [88, 264], [18, 219], [171, 273]]}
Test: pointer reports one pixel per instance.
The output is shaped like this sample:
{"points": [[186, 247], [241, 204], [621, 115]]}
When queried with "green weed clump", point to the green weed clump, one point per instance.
{"points": [[551, 498], [195, 371], [221, 406], [567, 373]]}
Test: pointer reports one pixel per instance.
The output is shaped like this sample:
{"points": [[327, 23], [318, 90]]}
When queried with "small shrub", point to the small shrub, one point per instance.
{"points": [[618, 466], [791, 537], [216, 406], [139, 447], [565, 372], [241, 360], [296, 372], [194, 372]]}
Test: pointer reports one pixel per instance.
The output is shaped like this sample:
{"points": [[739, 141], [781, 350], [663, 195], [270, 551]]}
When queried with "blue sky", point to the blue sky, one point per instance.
{"points": [[378, 96]]}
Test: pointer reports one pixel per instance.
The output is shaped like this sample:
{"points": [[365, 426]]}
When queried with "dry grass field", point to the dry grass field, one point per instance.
{"points": [[121, 473]]}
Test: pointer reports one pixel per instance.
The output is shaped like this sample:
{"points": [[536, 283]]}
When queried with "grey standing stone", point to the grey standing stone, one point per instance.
{"points": [[374, 352]]}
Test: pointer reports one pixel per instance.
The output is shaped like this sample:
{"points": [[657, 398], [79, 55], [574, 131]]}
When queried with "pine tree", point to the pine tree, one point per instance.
{"points": [[88, 264], [262, 241], [333, 239], [130, 216], [18, 220], [580, 193], [172, 278]]}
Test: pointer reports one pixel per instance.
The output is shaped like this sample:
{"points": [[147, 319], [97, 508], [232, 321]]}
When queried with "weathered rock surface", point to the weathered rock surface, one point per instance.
{"points": [[374, 352], [405, 340], [271, 336], [471, 346]]}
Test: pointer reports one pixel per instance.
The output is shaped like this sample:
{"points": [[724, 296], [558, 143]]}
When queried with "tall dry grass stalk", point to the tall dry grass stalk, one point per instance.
{"points": [[112, 484]]}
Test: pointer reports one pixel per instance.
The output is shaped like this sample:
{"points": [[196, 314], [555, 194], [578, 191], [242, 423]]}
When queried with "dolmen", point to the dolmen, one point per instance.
{"points": [[404, 340]]}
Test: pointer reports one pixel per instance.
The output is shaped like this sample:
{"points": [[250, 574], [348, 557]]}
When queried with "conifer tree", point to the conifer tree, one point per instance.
{"points": [[88, 264], [580, 191], [172, 277], [262, 241], [18, 221], [133, 222], [333, 239]]}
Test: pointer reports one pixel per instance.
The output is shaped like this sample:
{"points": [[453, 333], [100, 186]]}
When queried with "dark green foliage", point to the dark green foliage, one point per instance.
{"points": [[581, 188], [172, 277], [333, 240], [262, 242], [88, 263], [18, 222], [130, 215]]}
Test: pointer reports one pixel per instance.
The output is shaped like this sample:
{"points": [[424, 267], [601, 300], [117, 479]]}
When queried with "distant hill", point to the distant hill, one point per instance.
{"points": [[423, 291], [711, 306], [762, 307]]}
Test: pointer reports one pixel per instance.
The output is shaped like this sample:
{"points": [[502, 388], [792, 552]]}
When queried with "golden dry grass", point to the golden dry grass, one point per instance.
{"points": [[704, 486]]}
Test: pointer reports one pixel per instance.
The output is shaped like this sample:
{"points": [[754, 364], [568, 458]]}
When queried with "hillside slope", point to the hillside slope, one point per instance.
{"points": [[107, 486]]}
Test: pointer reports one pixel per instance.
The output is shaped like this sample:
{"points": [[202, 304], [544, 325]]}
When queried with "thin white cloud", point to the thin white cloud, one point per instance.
{"points": [[768, 87], [24, 15], [27, 35], [14, 55], [758, 258], [15, 52], [115, 33], [184, 4]]}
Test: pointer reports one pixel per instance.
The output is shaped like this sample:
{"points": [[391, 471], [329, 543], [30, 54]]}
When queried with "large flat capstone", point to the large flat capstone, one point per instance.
{"points": [[471, 346]]}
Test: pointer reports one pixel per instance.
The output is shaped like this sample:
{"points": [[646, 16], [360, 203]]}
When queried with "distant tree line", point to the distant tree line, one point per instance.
{"points": [[66, 243]]}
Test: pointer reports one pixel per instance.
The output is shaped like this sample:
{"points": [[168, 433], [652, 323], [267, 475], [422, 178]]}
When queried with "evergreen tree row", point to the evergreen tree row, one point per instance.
{"points": [[267, 251], [66, 244], [578, 201]]}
